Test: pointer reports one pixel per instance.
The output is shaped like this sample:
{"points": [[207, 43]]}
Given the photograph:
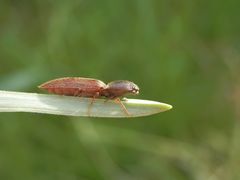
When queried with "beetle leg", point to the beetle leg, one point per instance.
{"points": [[91, 103], [118, 101], [78, 93], [90, 106], [106, 100]]}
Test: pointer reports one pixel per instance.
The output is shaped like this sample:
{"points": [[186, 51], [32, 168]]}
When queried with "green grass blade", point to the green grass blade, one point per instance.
{"points": [[76, 106]]}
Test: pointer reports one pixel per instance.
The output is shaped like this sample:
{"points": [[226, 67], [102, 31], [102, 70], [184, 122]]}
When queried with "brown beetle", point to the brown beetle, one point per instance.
{"points": [[87, 87]]}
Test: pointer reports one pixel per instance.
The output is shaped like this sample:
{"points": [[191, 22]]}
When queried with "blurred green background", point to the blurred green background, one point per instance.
{"points": [[185, 53]]}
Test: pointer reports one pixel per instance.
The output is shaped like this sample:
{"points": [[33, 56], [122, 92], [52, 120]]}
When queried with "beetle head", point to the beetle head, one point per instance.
{"points": [[134, 89]]}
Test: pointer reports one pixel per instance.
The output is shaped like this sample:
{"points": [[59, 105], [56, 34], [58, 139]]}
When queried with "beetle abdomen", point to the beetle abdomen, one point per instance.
{"points": [[74, 86]]}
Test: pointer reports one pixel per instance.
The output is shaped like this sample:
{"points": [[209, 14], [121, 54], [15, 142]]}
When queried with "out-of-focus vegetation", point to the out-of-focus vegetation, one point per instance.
{"points": [[185, 53]]}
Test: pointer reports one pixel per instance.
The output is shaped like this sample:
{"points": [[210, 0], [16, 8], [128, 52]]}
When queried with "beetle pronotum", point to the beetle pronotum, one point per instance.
{"points": [[87, 87]]}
